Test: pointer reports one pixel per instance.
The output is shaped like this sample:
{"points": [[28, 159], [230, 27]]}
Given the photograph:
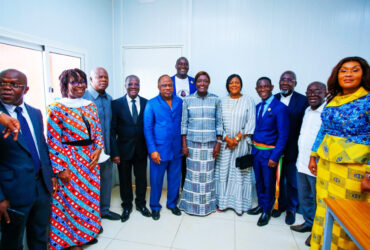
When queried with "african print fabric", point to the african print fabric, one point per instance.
{"points": [[75, 215]]}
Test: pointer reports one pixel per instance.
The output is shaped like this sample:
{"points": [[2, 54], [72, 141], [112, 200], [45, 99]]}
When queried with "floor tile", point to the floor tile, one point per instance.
{"points": [[228, 214], [119, 245], [145, 230], [300, 239], [199, 233], [250, 236], [102, 244], [111, 228]]}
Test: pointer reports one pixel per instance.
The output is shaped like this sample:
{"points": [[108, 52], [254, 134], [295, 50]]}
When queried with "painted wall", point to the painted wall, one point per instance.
{"points": [[83, 26], [251, 38]]}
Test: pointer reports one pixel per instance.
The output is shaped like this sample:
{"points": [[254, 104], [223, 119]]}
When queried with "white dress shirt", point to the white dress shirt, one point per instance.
{"points": [[137, 103], [286, 99], [310, 127]]}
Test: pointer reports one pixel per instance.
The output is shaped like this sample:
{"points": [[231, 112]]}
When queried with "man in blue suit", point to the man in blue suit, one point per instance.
{"points": [[26, 180], [183, 85], [269, 139], [162, 125], [297, 104]]}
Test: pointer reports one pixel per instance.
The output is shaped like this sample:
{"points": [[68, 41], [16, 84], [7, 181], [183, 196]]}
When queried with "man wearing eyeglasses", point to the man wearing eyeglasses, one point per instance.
{"points": [[297, 104], [129, 147], [26, 181], [96, 93]]}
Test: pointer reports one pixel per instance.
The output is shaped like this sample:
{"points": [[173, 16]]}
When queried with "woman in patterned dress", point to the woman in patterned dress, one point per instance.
{"points": [[201, 130], [342, 146], [234, 186], [75, 142]]}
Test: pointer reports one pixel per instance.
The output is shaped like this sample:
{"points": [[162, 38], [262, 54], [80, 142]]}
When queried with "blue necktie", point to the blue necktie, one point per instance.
{"points": [[134, 111], [261, 110], [27, 136]]}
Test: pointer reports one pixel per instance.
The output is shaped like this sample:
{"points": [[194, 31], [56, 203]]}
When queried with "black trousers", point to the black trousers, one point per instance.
{"points": [[36, 223], [183, 171], [125, 170]]}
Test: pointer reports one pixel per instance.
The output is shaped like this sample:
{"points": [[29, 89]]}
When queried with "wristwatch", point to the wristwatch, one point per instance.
{"points": [[237, 138], [1, 112]]}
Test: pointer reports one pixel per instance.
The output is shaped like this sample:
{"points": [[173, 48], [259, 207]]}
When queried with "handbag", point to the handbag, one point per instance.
{"points": [[244, 162]]}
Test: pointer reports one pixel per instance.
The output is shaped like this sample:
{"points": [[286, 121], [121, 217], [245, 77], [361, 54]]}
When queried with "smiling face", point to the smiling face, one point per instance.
{"points": [[8, 93], [235, 86], [287, 83], [349, 77], [76, 88], [315, 94], [182, 67], [133, 87], [99, 80], [264, 89], [165, 87], [202, 84]]}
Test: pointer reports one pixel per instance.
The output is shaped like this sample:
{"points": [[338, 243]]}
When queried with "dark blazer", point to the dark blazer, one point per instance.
{"points": [[192, 87], [17, 171], [162, 127], [297, 106], [126, 136], [272, 129]]}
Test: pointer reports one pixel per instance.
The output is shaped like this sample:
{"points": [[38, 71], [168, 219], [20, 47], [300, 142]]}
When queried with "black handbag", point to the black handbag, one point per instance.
{"points": [[244, 162]]}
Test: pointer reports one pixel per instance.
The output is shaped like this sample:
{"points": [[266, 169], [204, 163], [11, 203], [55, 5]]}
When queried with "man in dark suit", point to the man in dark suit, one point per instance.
{"points": [[269, 140], [128, 146], [297, 104], [26, 180], [183, 85]]}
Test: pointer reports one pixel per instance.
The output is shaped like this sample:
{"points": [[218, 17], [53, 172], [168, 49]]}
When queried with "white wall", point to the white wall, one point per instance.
{"points": [[83, 26], [251, 38]]}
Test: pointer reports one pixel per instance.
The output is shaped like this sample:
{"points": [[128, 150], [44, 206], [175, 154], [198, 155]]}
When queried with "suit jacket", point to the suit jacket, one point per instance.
{"points": [[162, 127], [126, 136], [297, 106], [272, 129], [17, 171], [192, 87]]}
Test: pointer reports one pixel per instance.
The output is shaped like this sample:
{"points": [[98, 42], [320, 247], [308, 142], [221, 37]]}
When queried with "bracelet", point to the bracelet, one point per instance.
{"points": [[1, 112], [237, 138], [367, 175], [220, 141]]}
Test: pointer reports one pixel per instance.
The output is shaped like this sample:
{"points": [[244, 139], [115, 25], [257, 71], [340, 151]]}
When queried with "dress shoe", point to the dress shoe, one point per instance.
{"points": [[301, 228], [155, 214], [263, 220], [111, 216], [276, 213], [126, 214], [255, 211], [175, 211], [101, 230], [289, 218], [92, 242], [144, 211], [308, 241]]}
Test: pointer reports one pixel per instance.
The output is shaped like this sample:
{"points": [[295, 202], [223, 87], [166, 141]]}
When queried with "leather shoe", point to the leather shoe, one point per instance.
{"points": [[289, 218], [301, 228], [276, 213], [144, 211], [111, 216], [263, 220], [92, 242], [125, 214], [255, 211], [155, 214], [175, 211], [308, 241]]}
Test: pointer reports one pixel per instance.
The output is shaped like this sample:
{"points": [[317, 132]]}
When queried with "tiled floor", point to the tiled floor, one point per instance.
{"points": [[224, 231]]}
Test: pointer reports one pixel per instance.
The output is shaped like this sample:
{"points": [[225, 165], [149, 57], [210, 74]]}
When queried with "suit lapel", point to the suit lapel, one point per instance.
{"points": [[35, 124], [293, 101], [126, 109], [142, 107]]}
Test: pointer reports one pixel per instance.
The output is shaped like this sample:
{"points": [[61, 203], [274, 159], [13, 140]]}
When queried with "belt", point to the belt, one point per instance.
{"points": [[86, 142], [262, 146]]}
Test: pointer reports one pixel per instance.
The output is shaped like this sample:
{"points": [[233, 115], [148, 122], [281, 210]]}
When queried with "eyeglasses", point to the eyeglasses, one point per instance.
{"points": [[12, 85], [351, 71], [287, 80], [76, 83], [133, 85], [315, 92]]}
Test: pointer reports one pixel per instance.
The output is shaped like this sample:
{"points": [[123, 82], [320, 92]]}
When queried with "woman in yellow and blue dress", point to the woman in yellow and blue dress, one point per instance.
{"points": [[342, 146]]}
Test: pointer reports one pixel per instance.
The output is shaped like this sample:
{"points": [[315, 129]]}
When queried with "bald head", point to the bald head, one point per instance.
{"points": [[316, 92], [15, 74], [13, 86], [99, 79]]}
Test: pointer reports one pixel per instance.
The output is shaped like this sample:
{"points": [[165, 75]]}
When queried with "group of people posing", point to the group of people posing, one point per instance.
{"points": [[217, 152]]}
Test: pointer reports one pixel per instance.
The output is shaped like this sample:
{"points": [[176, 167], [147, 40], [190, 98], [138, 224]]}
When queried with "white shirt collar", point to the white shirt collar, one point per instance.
{"points": [[74, 103]]}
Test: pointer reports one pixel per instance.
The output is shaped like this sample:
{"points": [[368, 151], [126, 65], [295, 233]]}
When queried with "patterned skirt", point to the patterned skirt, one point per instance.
{"points": [[339, 181], [198, 195]]}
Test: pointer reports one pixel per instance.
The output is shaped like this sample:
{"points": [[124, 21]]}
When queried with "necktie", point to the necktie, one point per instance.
{"points": [[27, 136], [134, 111], [261, 110]]}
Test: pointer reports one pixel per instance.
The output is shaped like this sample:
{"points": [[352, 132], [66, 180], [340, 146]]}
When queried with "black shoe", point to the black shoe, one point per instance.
{"points": [[301, 228], [92, 242], [276, 213], [175, 211], [101, 230], [155, 214], [255, 211], [289, 218], [111, 216], [126, 214], [263, 220], [144, 211], [308, 241]]}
